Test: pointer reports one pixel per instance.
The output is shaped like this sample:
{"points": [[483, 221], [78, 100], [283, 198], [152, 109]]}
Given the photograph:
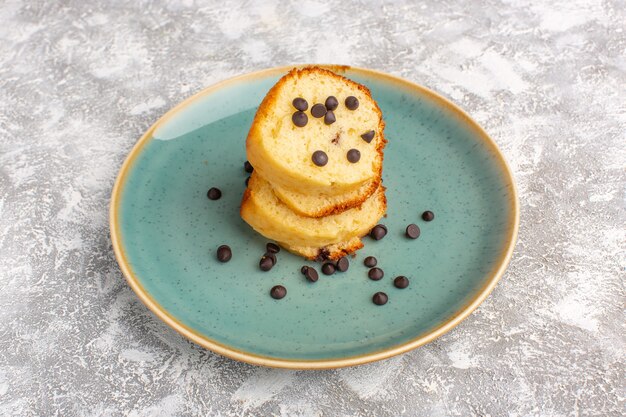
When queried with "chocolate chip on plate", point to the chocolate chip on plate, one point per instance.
{"points": [[368, 136], [278, 291], [299, 118], [343, 264], [352, 103], [380, 298], [353, 155], [370, 262], [331, 103], [318, 110], [329, 118], [311, 274], [224, 253], [378, 232], [247, 166], [375, 274], [266, 263], [271, 255], [300, 104], [320, 158], [214, 193], [401, 282], [412, 231], [303, 269], [428, 216], [328, 268], [272, 247]]}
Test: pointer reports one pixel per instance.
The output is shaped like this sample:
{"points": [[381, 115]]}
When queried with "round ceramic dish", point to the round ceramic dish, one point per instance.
{"points": [[165, 232]]}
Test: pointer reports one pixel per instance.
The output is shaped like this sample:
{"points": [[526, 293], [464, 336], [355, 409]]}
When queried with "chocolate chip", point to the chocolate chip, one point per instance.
{"points": [[224, 253], [353, 155], [343, 264], [370, 262], [412, 231], [278, 291], [368, 136], [328, 268], [380, 298], [303, 269], [247, 166], [401, 282], [375, 274], [318, 110], [299, 119], [428, 216], [214, 193], [271, 256], [311, 274], [331, 103], [300, 104], [247, 181], [329, 118], [320, 158], [352, 103], [378, 232], [272, 247], [266, 263]]}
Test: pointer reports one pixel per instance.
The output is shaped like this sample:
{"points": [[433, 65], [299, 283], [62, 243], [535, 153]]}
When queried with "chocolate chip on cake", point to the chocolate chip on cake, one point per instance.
{"points": [[378, 232], [412, 231], [299, 118], [328, 268], [353, 155], [368, 136], [401, 282], [370, 262], [300, 104], [272, 247], [428, 216], [311, 274], [380, 298], [320, 158], [329, 118], [214, 193], [331, 103], [352, 103], [266, 263], [318, 110], [224, 253], [247, 181], [278, 291], [375, 274], [343, 264], [247, 166]]}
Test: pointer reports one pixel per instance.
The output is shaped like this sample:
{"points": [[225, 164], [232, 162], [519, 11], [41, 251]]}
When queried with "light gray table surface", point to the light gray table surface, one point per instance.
{"points": [[79, 83]]}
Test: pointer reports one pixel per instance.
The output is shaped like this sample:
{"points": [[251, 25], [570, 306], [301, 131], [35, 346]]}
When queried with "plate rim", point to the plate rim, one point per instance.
{"points": [[252, 358]]}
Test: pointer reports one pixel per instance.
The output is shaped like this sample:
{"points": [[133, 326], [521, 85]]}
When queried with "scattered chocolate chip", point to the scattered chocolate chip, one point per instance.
{"points": [[303, 269], [370, 262], [224, 253], [331, 103], [272, 247], [328, 268], [412, 231], [300, 104], [428, 216], [353, 155], [368, 136], [378, 232], [278, 291], [320, 158], [375, 274], [352, 103], [214, 193], [247, 181], [311, 274], [380, 298], [272, 256], [299, 119], [318, 110], [329, 118], [266, 263], [247, 166], [401, 282], [343, 264]]}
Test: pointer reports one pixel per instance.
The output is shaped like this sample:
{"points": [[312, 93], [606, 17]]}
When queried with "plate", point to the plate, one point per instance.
{"points": [[165, 232]]}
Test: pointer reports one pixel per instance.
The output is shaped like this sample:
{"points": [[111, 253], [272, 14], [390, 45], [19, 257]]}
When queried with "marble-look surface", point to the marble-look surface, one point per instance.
{"points": [[80, 82]]}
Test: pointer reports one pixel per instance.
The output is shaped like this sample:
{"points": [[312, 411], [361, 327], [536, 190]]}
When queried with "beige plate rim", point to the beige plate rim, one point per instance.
{"points": [[493, 276]]}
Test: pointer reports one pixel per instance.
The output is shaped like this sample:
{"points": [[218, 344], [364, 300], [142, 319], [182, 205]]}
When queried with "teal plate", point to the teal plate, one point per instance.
{"points": [[165, 232]]}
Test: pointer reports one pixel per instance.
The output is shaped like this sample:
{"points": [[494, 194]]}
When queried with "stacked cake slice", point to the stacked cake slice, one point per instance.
{"points": [[316, 145]]}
